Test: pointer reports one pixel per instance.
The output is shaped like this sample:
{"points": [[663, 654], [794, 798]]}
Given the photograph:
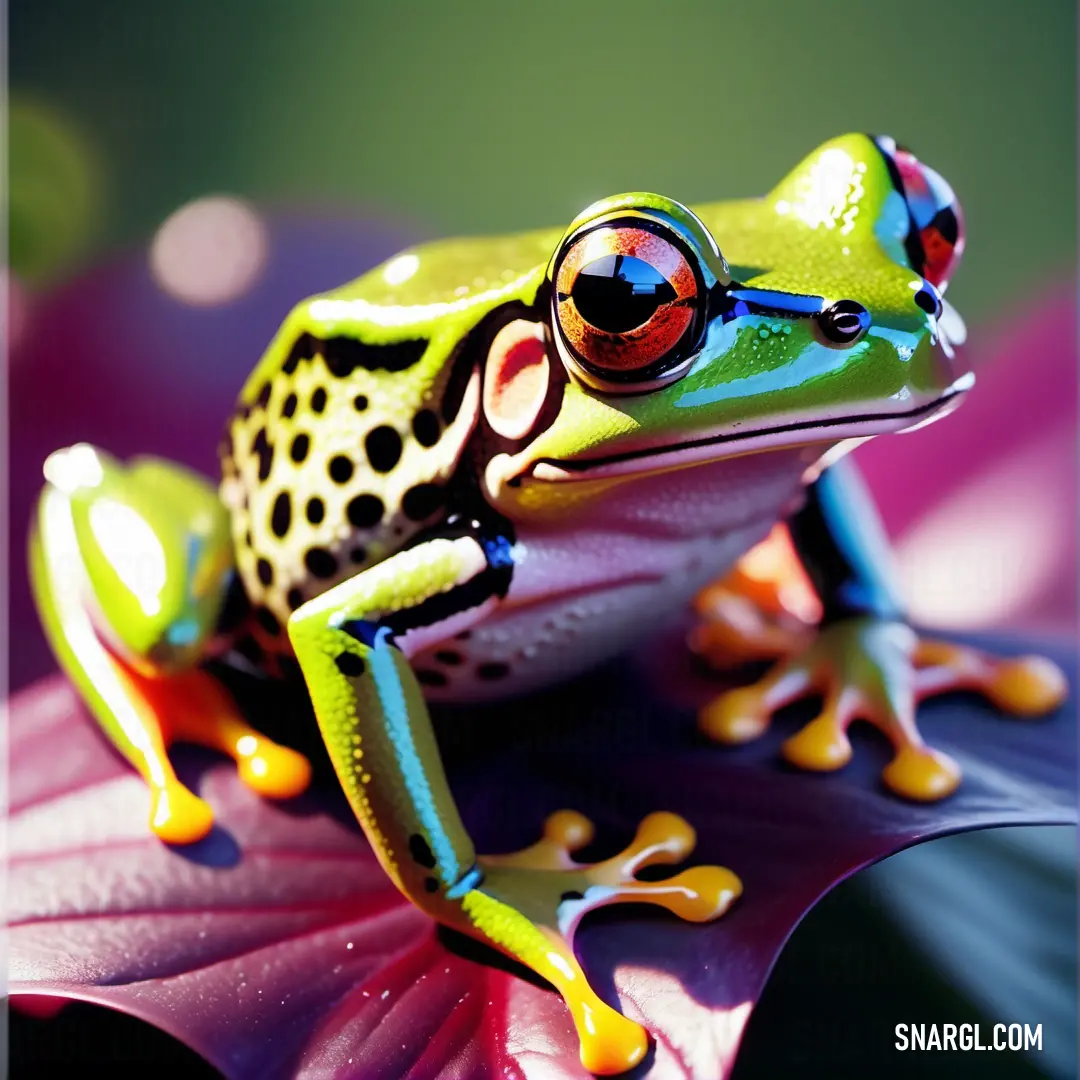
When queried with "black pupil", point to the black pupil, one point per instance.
{"points": [[619, 292]]}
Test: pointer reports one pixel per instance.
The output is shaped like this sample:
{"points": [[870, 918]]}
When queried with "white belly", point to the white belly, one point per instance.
{"points": [[631, 563]]}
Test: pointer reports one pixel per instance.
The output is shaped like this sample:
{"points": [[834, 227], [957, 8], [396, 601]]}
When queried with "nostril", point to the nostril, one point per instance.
{"points": [[929, 300], [844, 322]]}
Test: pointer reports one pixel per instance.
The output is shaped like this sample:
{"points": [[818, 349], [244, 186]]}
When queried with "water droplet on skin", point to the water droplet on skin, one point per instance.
{"points": [[384, 995]]}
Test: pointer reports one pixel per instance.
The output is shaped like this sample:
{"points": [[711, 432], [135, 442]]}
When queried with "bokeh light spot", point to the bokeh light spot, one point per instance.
{"points": [[210, 252]]}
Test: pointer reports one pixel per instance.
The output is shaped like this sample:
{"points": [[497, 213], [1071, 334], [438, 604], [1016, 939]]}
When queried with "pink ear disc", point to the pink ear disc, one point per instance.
{"points": [[516, 379]]}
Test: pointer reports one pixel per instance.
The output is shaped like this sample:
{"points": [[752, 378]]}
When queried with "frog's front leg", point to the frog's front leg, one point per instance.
{"points": [[351, 643], [865, 662], [129, 565]]}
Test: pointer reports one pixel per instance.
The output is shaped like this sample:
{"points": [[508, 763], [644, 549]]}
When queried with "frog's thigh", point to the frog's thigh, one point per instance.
{"points": [[139, 707], [371, 710]]}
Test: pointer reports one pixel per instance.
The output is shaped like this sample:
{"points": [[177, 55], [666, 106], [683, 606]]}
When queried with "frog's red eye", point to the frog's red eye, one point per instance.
{"points": [[626, 302]]}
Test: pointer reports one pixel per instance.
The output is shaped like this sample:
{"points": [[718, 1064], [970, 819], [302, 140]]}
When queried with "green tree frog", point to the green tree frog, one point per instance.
{"points": [[491, 463]]}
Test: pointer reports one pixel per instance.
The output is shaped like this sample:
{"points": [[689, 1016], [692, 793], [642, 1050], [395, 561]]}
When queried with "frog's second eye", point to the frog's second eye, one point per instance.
{"points": [[627, 301]]}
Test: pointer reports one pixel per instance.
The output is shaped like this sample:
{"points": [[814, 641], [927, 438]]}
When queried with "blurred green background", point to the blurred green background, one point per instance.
{"points": [[478, 116]]}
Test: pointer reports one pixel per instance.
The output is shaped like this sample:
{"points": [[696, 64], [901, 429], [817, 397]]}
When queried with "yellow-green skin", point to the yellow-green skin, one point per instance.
{"points": [[833, 229]]}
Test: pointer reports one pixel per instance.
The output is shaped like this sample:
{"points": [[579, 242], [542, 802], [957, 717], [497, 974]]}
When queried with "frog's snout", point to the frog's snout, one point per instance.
{"points": [[935, 240]]}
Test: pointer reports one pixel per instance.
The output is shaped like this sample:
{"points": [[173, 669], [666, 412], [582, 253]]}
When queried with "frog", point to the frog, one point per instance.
{"points": [[490, 464]]}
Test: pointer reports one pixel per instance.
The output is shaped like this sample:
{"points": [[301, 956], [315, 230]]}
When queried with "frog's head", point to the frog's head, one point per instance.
{"points": [[810, 317]]}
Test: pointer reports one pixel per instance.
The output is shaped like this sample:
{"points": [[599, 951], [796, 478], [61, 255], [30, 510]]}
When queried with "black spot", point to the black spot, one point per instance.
{"points": [[261, 447], [318, 400], [247, 539], [289, 406], [304, 348], [427, 677], [320, 562], [572, 894], [341, 469], [421, 501], [425, 427], [420, 850], [454, 392], [265, 571], [430, 885], [349, 664], [383, 448], [299, 449], [264, 395], [358, 554], [360, 402], [268, 621], [490, 672], [464, 635], [316, 510], [281, 516], [266, 461], [294, 597], [343, 355], [365, 511], [448, 656]]}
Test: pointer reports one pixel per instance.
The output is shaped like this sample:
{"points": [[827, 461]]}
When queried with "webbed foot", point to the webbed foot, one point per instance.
{"points": [[529, 904], [877, 671]]}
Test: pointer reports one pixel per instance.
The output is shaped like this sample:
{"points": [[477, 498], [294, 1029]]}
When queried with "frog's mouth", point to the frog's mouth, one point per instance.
{"points": [[733, 442]]}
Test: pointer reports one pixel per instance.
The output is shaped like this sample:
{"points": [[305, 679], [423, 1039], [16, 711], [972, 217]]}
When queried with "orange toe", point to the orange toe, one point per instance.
{"points": [[272, 770], [1028, 686], [921, 774], [735, 717], [821, 746], [178, 816]]}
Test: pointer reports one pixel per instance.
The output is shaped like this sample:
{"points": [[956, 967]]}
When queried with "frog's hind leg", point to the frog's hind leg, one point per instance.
{"points": [[146, 548], [373, 718]]}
